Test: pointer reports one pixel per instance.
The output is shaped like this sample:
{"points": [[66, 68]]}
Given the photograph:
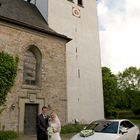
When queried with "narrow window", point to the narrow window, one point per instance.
{"points": [[78, 73], [70, 0], [29, 69], [80, 2]]}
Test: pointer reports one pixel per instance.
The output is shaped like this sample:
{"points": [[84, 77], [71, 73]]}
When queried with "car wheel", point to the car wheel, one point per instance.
{"points": [[138, 138]]}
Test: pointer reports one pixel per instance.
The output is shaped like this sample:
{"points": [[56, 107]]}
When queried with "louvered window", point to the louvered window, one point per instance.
{"points": [[80, 2], [31, 1]]}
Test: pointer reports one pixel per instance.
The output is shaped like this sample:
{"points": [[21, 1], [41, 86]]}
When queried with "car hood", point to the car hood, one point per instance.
{"points": [[97, 136]]}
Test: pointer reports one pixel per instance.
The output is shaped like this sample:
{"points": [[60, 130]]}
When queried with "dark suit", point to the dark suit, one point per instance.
{"points": [[42, 125]]}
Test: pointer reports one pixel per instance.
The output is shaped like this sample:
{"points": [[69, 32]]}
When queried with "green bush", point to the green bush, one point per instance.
{"points": [[72, 128], [8, 135], [8, 72], [128, 114]]}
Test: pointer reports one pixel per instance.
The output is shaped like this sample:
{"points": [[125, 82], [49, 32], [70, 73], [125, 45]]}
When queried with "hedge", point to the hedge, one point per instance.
{"points": [[8, 135]]}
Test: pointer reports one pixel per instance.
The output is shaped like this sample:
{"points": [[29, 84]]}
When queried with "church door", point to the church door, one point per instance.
{"points": [[31, 111]]}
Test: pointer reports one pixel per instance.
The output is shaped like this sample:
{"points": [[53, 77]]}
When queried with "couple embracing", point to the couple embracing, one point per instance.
{"points": [[48, 127]]}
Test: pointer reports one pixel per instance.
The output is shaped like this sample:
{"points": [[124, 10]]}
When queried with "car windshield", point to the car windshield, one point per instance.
{"points": [[104, 126]]}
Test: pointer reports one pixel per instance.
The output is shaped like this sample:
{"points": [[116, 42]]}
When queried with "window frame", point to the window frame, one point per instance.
{"points": [[37, 54]]}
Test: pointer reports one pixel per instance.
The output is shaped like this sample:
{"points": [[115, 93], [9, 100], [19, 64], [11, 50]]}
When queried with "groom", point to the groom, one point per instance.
{"points": [[42, 124]]}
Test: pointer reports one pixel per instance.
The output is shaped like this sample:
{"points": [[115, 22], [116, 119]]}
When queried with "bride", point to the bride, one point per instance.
{"points": [[55, 125]]}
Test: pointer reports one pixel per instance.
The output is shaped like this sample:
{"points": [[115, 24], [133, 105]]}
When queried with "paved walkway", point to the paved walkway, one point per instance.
{"points": [[33, 137]]}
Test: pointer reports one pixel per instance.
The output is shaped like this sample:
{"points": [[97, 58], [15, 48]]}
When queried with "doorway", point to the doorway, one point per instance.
{"points": [[31, 111]]}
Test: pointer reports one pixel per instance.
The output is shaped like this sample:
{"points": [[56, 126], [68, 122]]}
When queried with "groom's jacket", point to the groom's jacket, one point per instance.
{"points": [[42, 123]]}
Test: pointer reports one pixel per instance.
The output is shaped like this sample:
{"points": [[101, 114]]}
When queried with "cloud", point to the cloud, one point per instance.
{"points": [[119, 24]]}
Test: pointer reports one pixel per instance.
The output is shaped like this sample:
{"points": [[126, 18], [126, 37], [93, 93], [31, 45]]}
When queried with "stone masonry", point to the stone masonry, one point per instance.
{"points": [[51, 90]]}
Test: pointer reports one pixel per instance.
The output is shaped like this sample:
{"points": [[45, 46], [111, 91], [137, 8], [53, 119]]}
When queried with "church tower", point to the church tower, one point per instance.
{"points": [[77, 19]]}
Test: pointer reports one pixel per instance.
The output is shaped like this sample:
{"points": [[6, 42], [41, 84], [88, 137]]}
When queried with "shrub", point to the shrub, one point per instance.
{"points": [[72, 128], [8, 135], [8, 72], [125, 114]]}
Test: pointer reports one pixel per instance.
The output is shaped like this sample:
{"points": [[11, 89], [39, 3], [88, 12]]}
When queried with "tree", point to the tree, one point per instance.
{"points": [[129, 85], [129, 79], [109, 90], [8, 71]]}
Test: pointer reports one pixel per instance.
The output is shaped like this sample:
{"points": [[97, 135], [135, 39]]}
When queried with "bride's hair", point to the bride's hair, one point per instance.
{"points": [[56, 119]]}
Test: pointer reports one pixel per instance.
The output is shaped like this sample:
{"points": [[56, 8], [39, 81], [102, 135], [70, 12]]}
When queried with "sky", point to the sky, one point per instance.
{"points": [[119, 33]]}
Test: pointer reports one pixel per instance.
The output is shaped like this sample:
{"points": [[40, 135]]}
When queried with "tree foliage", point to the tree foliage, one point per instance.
{"points": [[8, 72], [129, 79], [129, 84], [121, 91], [109, 90]]}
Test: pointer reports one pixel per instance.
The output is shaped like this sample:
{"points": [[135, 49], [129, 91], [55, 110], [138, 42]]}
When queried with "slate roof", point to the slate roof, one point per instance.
{"points": [[25, 14]]}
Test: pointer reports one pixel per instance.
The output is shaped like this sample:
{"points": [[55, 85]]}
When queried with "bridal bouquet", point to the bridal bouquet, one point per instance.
{"points": [[50, 131]]}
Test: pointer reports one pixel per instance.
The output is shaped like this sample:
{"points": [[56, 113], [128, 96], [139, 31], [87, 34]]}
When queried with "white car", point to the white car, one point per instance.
{"points": [[121, 129]]}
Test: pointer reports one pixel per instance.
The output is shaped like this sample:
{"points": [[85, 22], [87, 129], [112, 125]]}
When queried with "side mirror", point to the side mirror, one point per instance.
{"points": [[123, 130]]}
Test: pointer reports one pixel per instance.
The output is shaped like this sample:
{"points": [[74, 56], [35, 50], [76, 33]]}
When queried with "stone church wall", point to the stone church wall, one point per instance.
{"points": [[51, 90]]}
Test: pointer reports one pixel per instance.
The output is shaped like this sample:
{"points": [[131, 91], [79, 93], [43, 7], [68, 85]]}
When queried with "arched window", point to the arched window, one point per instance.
{"points": [[32, 66]]}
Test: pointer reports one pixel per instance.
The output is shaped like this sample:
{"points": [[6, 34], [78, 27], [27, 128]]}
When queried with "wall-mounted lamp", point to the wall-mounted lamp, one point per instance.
{"points": [[49, 107], [12, 107]]}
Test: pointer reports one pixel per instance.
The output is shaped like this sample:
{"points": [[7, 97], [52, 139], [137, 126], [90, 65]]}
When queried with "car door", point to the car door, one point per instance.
{"points": [[132, 130]]}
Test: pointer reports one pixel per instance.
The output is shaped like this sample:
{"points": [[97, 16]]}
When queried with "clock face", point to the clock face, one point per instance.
{"points": [[76, 12]]}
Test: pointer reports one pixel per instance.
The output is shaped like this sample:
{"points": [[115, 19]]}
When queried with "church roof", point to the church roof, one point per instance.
{"points": [[26, 14]]}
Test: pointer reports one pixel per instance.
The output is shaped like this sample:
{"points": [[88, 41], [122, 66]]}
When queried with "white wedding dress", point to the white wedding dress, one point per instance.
{"points": [[57, 126]]}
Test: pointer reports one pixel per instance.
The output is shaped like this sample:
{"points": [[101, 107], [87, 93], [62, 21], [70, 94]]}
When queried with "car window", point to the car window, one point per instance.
{"points": [[126, 124], [104, 126], [129, 124], [111, 128], [123, 124]]}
